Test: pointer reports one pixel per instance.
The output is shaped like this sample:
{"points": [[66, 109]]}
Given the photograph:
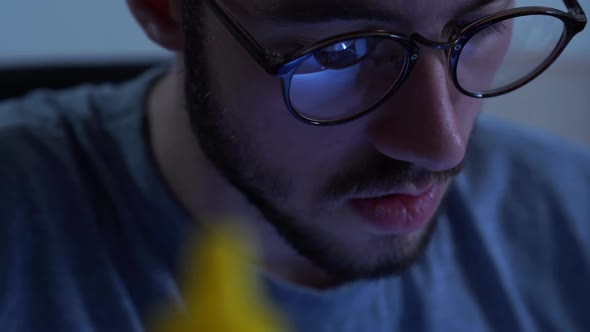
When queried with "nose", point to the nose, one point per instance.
{"points": [[419, 124]]}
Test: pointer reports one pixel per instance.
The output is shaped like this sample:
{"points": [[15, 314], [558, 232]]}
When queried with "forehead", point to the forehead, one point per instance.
{"points": [[401, 10]]}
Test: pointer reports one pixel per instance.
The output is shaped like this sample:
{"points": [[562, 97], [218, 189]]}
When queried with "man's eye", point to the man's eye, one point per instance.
{"points": [[341, 46], [497, 29], [342, 54], [337, 56], [351, 53]]}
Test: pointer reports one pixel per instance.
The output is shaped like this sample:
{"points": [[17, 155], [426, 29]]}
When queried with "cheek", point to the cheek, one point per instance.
{"points": [[253, 105], [245, 93], [237, 81]]}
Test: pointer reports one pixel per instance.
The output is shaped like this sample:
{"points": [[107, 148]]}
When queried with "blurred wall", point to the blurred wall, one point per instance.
{"points": [[42, 31], [49, 31]]}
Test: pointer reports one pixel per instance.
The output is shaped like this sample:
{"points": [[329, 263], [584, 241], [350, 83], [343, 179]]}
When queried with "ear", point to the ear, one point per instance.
{"points": [[160, 20]]}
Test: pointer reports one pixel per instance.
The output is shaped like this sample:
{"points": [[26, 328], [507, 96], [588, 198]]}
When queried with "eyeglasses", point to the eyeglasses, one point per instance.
{"points": [[341, 78]]}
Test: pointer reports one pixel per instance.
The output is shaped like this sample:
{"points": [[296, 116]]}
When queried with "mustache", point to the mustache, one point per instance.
{"points": [[381, 174]]}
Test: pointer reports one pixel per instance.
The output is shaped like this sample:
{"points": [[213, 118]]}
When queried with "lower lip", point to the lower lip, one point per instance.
{"points": [[399, 214]]}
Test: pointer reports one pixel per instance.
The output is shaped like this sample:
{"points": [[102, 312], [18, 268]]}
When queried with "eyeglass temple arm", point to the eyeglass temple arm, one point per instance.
{"points": [[270, 62], [574, 8], [264, 58]]}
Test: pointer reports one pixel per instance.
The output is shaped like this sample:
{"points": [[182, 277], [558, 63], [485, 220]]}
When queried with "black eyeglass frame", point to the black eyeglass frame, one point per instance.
{"points": [[284, 66]]}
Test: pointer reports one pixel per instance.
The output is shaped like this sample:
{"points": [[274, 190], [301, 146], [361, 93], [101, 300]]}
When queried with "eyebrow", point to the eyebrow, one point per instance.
{"points": [[308, 11]]}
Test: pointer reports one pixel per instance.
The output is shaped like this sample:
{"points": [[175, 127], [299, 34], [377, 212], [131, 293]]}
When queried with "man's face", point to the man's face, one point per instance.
{"points": [[358, 199]]}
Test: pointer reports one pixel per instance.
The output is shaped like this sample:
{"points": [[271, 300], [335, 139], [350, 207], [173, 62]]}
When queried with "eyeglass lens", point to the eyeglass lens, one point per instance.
{"points": [[507, 52], [348, 76]]}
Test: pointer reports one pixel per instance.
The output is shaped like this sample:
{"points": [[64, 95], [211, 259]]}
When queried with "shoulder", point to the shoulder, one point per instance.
{"points": [[524, 190], [520, 156], [524, 143], [50, 111], [38, 130], [522, 204], [48, 118], [527, 172], [96, 104], [48, 139], [502, 150], [35, 137]]}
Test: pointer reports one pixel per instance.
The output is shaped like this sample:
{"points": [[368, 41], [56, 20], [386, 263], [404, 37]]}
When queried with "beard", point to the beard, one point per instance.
{"points": [[230, 148]]}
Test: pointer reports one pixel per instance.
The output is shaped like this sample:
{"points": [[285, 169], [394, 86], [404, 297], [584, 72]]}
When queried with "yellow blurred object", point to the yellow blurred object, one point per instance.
{"points": [[220, 289]]}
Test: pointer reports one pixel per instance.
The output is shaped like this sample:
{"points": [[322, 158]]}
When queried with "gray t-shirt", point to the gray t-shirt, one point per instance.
{"points": [[90, 235]]}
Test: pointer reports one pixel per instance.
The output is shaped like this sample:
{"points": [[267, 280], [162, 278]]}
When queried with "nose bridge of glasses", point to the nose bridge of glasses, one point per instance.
{"points": [[418, 38]]}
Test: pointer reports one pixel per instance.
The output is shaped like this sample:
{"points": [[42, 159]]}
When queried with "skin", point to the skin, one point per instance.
{"points": [[230, 147]]}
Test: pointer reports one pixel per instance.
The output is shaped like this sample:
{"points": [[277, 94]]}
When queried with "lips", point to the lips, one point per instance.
{"points": [[402, 213]]}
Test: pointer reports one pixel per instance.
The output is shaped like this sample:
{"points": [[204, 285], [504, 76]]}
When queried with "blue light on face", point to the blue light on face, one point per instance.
{"points": [[344, 78]]}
